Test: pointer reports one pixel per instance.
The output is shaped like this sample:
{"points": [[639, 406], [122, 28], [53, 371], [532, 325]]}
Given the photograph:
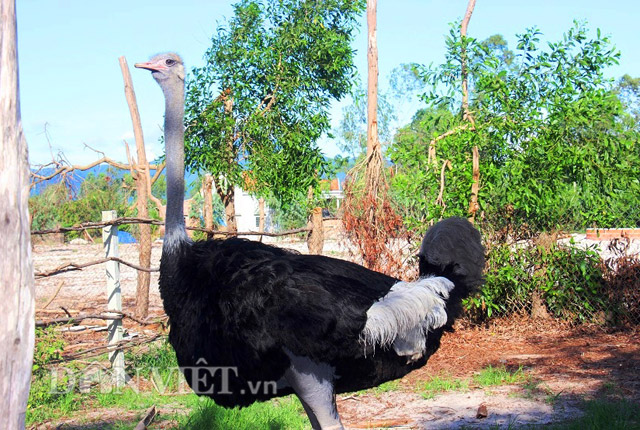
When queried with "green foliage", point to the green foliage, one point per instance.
{"points": [[416, 185], [56, 206], [47, 393], [158, 362], [556, 147], [256, 110], [48, 347], [628, 89], [567, 279], [293, 215]]}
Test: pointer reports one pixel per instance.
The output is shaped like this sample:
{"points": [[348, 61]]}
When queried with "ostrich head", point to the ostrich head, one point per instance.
{"points": [[167, 69]]}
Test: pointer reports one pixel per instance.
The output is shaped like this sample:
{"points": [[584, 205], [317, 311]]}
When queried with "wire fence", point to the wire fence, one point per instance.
{"points": [[569, 277], [115, 316]]}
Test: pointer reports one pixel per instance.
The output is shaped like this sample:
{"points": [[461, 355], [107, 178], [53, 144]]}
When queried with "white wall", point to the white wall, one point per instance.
{"points": [[247, 212]]}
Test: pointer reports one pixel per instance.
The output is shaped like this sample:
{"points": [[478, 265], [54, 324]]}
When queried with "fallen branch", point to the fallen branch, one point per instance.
{"points": [[54, 295], [148, 418]]}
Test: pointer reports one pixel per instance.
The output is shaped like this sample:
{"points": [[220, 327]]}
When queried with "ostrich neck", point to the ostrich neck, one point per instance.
{"points": [[175, 232]]}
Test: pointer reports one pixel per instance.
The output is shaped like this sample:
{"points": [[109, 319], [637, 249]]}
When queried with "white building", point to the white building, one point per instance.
{"points": [[248, 212]]}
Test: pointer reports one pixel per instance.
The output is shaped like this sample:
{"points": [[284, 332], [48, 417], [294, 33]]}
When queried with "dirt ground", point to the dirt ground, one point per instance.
{"points": [[565, 365]]}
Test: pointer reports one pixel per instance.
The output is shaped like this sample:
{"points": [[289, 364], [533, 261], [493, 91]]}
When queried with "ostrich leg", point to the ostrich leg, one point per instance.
{"points": [[313, 384]]}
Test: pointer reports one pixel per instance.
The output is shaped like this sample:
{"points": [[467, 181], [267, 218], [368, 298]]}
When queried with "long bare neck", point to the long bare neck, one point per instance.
{"points": [[175, 232]]}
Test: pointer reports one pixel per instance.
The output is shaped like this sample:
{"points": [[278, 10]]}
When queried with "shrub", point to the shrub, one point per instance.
{"points": [[566, 280]]}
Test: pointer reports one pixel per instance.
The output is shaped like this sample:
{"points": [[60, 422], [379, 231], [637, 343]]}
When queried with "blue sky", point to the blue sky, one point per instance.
{"points": [[71, 84]]}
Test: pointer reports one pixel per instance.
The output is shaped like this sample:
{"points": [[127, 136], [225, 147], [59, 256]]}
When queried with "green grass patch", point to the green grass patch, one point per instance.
{"points": [[280, 414], [440, 384], [493, 376], [387, 387], [605, 415], [156, 363]]}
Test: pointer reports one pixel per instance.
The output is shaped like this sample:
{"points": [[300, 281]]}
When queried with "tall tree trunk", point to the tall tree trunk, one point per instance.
{"points": [[374, 152], [372, 81], [475, 186], [16, 266], [143, 180], [463, 60], [207, 184]]}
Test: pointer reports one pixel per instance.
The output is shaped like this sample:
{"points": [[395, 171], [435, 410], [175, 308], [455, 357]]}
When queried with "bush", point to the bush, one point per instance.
{"points": [[566, 281]]}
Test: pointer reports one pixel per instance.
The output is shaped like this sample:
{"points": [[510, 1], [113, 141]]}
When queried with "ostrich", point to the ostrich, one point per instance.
{"points": [[251, 321]]}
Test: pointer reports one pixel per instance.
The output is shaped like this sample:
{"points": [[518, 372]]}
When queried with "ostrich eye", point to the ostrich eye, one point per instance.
{"points": [[170, 62]]}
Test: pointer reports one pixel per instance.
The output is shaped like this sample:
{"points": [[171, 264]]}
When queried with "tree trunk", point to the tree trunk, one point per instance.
{"points": [[372, 81], [143, 179], [17, 284], [475, 186], [261, 214], [228, 196], [463, 60], [230, 212], [207, 184], [315, 241], [374, 152], [228, 200]]}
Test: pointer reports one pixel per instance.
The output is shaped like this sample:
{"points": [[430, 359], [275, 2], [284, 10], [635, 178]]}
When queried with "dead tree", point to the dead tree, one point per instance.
{"points": [[17, 284], [142, 177]]}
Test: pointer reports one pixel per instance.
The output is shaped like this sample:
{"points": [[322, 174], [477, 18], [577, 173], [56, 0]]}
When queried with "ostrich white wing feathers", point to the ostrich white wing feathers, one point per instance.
{"points": [[406, 313]]}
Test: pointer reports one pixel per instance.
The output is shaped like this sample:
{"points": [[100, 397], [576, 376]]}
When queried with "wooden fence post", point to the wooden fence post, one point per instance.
{"points": [[114, 297]]}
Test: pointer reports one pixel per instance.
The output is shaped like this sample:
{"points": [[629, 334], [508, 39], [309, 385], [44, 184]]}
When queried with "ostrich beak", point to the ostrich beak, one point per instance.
{"points": [[149, 66]]}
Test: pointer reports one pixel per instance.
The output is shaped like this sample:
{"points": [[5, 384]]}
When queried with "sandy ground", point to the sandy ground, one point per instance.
{"points": [[565, 365]]}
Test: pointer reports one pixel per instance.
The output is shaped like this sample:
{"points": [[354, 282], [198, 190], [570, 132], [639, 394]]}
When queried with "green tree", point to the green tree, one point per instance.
{"points": [[58, 206], [554, 149], [628, 89], [256, 109]]}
